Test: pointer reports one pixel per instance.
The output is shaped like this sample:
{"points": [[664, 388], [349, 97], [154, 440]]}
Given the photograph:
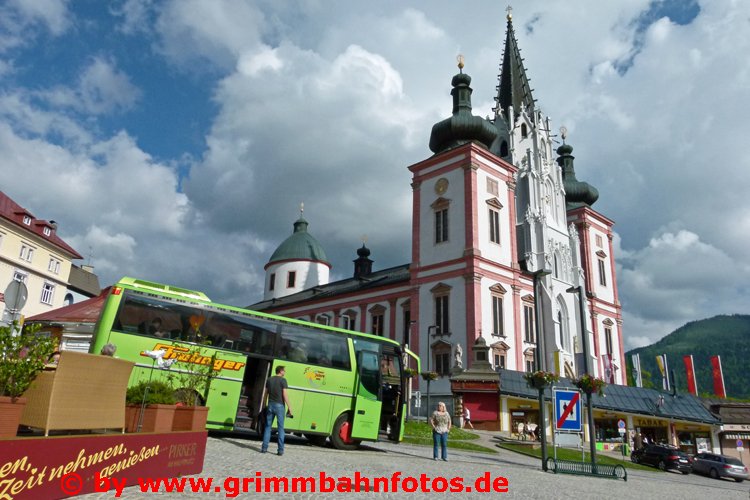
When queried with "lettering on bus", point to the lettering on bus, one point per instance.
{"points": [[183, 355], [315, 378]]}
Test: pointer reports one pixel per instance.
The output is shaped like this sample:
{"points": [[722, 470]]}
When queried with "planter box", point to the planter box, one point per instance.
{"points": [[190, 418], [10, 415], [156, 418]]}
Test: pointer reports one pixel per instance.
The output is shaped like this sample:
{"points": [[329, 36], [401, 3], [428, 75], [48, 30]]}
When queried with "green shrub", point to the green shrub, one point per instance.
{"points": [[158, 393]]}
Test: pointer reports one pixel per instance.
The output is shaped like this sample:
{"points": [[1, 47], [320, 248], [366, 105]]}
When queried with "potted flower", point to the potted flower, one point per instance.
{"points": [[590, 385], [409, 372], [22, 356], [540, 379], [155, 399], [429, 376], [191, 382]]}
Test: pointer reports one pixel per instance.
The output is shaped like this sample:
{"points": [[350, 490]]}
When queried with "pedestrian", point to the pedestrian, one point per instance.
{"points": [[467, 418], [108, 350], [276, 398], [441, 425]]}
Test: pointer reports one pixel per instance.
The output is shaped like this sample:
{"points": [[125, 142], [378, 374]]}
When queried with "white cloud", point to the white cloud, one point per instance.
{"points": [[101, 88], [218, 31]]}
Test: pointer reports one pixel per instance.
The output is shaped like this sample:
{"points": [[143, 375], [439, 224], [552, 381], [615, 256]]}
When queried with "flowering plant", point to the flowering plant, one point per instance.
{"points": [[429, 375], [590, 385], [409, 372], [539, 378], [22, 357], [193, 378]]}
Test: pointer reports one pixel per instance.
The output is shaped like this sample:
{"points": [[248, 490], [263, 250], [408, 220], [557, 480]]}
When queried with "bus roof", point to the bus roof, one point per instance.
{"points": [[158, 287]]}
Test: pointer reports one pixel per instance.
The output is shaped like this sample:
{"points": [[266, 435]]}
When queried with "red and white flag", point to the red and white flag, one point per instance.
{"points": [[718, 377], [692, 385]]}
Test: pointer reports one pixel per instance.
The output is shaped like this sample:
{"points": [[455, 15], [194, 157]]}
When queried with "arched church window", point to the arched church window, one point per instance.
{"points": [[524, 130]]}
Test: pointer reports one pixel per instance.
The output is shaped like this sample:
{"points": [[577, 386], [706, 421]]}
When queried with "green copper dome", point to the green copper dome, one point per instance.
{"points": [[301, 245]]}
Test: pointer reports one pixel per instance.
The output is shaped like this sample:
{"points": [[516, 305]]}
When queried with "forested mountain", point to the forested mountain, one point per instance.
{"points": [[727, 336]]}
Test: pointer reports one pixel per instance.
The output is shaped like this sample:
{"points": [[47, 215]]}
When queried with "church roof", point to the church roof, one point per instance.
{"points": [[513, 89], [301, 245], [577, 193], [393, 275], [462, 127]]}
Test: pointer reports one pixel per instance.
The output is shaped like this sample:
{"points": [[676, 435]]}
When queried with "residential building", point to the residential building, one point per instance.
{"points": [[32, 252]]}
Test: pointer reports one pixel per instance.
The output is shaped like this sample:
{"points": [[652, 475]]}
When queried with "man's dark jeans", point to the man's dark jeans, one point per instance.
{"points": [[275, 410]]}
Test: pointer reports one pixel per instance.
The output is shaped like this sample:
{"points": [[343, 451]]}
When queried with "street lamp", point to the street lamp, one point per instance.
{"points": [[540, 355], [586, 362], [436, 329]]}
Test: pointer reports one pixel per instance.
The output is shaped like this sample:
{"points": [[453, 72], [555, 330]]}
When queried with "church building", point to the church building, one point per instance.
{"points": [[505, 247]]}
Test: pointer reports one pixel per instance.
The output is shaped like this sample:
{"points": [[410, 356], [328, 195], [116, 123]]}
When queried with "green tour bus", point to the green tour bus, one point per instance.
{"points": [[343, 385]]}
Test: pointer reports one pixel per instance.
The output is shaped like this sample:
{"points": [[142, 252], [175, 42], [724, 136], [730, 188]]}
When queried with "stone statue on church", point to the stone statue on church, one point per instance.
{"points": [[459, 356]]}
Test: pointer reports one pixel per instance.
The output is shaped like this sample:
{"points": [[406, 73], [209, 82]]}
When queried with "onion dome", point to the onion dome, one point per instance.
{"points": [[577, 193], [462, 127], [362, 264], [301, 245]]}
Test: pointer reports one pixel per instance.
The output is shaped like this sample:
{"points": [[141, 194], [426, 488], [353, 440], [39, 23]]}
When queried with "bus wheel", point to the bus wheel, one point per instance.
{"points": [[341, 438], [316, 439]]}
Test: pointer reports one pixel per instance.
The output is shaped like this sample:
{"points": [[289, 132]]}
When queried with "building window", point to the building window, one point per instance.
{"points": [[27, 253], [47, 231], [54, 265], [497, 316], [442, 317], [407, 326], [494, 226], [441, 225], [68, 300], [272, 282], [492, 187], [599, 240], [529, 365], [20, 276], [608, 339], [27, 220], [499, 361], [291, 278], [48, 292], [348, 321], [323, 319], [441, 355], [377, 323], [524, 130], [528, 315], [602, 273]]}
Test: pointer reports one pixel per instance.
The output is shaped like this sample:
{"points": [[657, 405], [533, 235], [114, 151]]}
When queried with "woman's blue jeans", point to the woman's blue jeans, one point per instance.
{"points": [[442, 439]]}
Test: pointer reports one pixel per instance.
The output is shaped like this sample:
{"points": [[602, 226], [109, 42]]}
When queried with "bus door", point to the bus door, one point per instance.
{"points": [[367, 396]]}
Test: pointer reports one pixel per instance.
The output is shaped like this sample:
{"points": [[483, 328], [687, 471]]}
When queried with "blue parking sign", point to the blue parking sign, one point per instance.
{"points": [[567, 410]]}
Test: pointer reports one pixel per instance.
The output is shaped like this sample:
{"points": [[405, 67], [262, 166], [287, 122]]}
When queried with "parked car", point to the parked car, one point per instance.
{"points": [[664, 457], [718, 466]]}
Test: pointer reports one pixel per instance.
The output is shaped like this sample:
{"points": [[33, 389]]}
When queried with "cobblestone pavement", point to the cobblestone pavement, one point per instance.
{"points": [[240, 457]]}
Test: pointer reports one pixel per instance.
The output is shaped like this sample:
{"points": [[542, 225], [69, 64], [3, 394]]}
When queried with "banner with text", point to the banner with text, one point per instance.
{"points": [[63, 466]]}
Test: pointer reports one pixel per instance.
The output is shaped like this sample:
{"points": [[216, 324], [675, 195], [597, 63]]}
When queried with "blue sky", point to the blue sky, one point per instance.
{"points": [[175, 139]]}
